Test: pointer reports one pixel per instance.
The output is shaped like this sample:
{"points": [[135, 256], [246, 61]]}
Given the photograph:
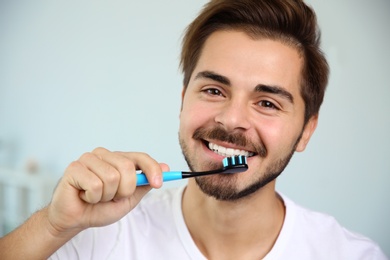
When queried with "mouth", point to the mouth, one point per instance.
{"points": [[226, 151]]}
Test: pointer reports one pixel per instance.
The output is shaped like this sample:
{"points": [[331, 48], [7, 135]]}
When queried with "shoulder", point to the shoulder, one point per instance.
{"points": [[321, 234]]}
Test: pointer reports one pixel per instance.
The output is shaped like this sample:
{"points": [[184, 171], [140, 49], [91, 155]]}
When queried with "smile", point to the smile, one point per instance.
{"points": [[228, 152]]}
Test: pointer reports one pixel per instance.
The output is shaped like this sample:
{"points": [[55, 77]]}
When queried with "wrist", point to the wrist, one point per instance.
{"points": [[54, 230]]}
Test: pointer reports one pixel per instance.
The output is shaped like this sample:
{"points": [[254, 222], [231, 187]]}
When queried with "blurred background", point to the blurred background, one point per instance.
{"points": [[75, 75]]}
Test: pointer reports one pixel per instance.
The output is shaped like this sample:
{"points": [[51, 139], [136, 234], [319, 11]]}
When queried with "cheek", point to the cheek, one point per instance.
{"points": [[275, 135], [270, 135], [190, 117], [194, 112]]}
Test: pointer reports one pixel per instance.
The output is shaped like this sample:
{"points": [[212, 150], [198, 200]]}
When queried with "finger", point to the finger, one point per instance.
{"points": [[126, 169], [88, 185], [164, 167], [142, 190], [147, 165], [108, 174]]}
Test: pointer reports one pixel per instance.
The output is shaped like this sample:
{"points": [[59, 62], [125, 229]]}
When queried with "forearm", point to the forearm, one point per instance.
{"points": [[35, 239]]}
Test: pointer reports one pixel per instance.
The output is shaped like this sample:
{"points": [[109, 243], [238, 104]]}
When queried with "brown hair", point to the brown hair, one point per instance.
{"points": [[289, 21]]}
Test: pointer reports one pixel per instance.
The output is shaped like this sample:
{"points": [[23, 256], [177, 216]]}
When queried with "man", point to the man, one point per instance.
{"points": [[254, 80]]}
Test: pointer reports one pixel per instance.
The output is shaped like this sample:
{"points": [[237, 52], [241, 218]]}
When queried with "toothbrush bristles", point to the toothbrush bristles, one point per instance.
{"points": [[234, 160]]}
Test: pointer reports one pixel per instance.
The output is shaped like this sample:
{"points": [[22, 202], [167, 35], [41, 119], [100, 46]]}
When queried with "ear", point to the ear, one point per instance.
{"points": [[308, 131], [183, 92]]}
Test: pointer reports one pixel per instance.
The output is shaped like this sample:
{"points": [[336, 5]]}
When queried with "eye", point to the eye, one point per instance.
{"points": [[267, 104], [213, 92]]}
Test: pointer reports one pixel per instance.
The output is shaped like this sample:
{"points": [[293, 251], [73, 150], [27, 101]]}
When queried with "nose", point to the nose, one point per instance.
{"points": [[234, 115]]}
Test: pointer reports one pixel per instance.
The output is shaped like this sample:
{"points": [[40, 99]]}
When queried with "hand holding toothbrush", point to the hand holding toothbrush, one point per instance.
{"points": [[99, 188]]}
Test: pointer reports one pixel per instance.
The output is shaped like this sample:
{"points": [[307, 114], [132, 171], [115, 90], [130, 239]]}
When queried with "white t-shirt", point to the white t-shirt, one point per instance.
{"points": [[155, 229]]}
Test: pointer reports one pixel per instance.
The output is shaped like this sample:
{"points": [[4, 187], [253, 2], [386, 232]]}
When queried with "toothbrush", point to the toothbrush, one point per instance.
{"points": [[229, 165]]}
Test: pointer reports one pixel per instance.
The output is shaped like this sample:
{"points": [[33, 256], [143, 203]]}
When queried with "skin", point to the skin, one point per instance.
{"points": [[96, 190], [225, 229], [99, 188]]}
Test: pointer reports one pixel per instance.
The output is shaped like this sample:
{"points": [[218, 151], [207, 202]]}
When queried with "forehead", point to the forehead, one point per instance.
{"points": [[247, 60]]}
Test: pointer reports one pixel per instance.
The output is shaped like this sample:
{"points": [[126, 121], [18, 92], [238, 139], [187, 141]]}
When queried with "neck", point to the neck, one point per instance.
{"points": [[227, 229]]}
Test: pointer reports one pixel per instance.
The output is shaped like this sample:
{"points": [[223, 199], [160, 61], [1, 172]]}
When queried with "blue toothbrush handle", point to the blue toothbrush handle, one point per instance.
{"points": [[167, 176]]}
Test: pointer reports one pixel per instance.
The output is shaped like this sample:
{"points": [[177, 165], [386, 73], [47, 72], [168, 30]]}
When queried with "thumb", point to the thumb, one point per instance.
{"points": [[142, 190]]}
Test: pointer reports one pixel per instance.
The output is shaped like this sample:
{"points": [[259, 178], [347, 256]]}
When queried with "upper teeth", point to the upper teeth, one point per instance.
{"points": [[228, 151]]}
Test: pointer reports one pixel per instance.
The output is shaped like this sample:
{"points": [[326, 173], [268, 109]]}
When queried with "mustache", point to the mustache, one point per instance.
{"points": [[239, 139]]}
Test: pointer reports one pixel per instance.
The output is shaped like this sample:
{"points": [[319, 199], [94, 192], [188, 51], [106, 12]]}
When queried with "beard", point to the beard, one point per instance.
{"points": [[223, 187]]}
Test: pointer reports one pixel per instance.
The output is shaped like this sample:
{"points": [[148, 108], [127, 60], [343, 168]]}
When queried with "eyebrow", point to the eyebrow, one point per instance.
{"points": [[213, 76], [259, 88], [275, 90]]}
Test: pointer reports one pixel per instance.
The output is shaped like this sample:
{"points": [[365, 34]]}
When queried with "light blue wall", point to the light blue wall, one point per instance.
{"points": [[75, 75]]}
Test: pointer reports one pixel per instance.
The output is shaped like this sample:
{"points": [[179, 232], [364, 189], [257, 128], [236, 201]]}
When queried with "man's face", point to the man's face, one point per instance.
{"points": [[243, 98]]}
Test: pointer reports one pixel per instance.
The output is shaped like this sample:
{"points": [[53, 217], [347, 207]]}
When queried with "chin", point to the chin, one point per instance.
{"points": [[228, 187]]}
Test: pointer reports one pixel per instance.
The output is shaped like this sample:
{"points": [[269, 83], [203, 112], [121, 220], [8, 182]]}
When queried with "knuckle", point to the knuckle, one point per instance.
{"points": [[87, 156], [99, 150], [145, 155], [152, 162], [111, 175], [127, 166], [75, 165]]}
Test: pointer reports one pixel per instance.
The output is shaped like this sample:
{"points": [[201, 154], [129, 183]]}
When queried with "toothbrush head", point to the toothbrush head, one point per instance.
{"points": [[235, 164]]}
